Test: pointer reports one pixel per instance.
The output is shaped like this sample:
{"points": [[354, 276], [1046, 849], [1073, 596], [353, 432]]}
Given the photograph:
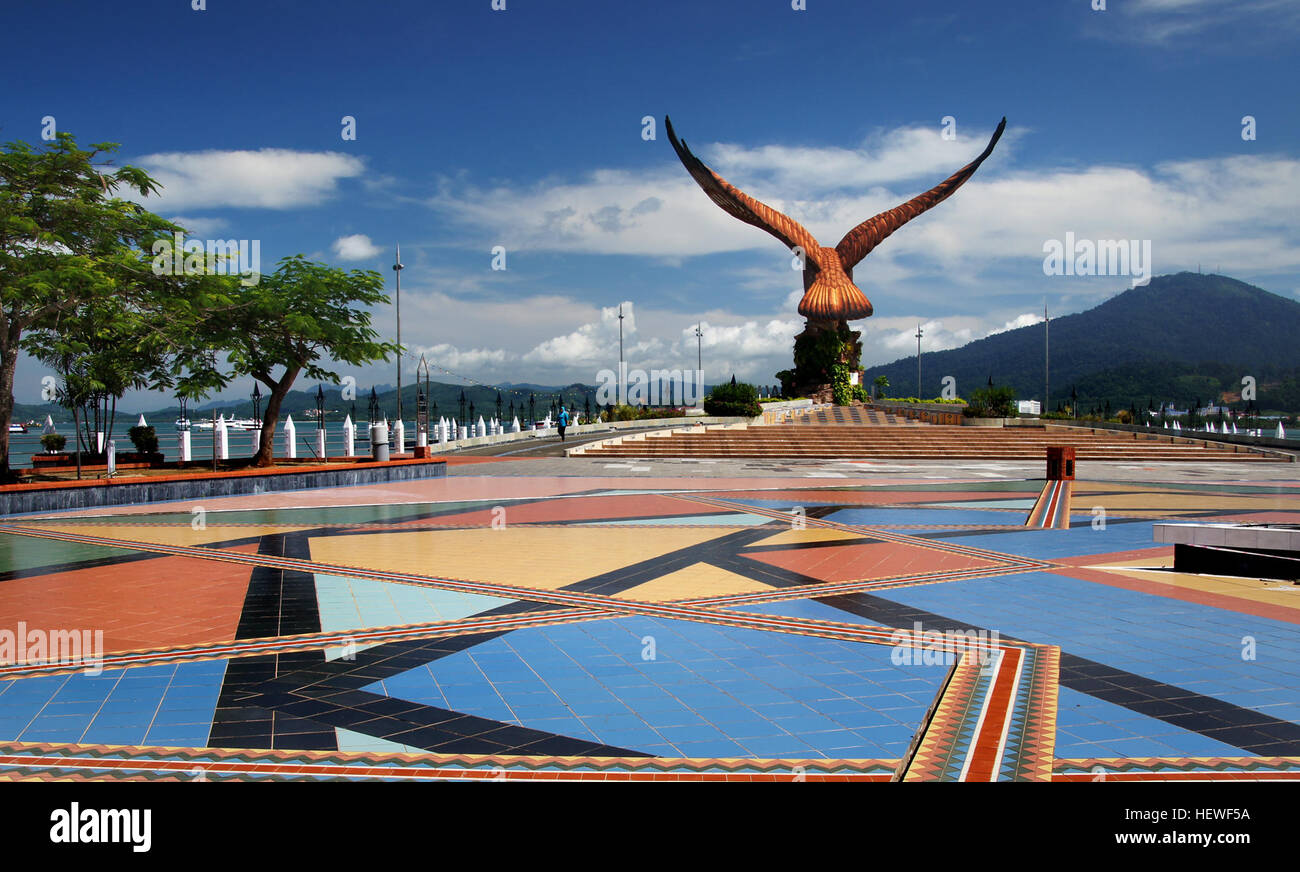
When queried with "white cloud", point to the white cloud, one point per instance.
{"points": [[901, 154], [592, 344], [1237, 212], [206, 227], [355, 247], [1172, 22], [269, 178]]}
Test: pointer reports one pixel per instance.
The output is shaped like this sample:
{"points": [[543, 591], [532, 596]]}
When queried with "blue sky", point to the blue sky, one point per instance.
{"points": [[523, 128]]}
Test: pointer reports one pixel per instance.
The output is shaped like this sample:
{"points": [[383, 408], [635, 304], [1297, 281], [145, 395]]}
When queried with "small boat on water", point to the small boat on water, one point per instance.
{"points": [[231, 424], [17, 428]]}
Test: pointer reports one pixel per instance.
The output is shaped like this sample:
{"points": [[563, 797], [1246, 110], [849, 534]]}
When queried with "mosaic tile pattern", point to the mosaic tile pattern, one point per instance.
{"points": [[680, 629]]}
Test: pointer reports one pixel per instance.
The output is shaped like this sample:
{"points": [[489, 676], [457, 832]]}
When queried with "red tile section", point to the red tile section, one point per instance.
{"points": [[873, 560], [143, 604]]}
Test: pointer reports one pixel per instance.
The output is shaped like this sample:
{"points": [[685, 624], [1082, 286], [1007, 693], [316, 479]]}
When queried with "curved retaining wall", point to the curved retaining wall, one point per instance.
{"points": [[63, 496]]}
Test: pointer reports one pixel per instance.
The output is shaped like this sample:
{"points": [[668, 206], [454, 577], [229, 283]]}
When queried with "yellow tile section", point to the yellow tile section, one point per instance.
{"points": [[1272, 593], [166, 534], [810, 534], [696, 580], [545, 558]]}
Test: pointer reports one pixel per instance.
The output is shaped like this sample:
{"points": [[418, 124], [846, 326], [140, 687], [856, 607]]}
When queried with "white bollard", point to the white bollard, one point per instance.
{"points": [[185, 445], [290, 438], [349, 437], [320, 443], [515, 428], [223, 439], [422, 439], [482, 427], [399, 437]]}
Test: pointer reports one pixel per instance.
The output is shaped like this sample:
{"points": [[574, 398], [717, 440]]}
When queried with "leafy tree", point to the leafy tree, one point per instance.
{"points": [[733, 400], [64, 239], [992, 402], [296, 321]]}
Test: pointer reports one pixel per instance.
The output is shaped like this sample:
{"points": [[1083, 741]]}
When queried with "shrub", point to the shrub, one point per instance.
{"points": [[992, 402], [638, 413], [733, 400], [145, 439], [841, 390], [53, 442]]}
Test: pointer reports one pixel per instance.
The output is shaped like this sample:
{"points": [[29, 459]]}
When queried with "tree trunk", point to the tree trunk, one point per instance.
{"points": [[8, 364], [280, 389]]}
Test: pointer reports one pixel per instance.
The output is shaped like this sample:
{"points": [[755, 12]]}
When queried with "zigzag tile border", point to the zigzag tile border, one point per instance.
{"points": [[53, 761], [1177, 769]]}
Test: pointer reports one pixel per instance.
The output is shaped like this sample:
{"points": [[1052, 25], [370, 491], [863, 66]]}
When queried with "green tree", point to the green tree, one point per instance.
{"points": [[296, 321], [733, 400], [64, 239]]}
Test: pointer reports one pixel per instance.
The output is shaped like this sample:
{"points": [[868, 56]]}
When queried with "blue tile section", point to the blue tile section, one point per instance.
{"points": [[890, 517], [1184, 644], [1075, 542], [1091, 727], [155, 705], [709, 691]]}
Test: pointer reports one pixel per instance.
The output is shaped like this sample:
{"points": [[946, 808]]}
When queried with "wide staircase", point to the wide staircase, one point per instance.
{"points": [[831, 439], [851, 415]]}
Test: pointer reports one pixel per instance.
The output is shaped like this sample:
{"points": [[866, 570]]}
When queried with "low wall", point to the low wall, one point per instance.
{"points": [[59, 496], [1282, 449], [579, 430], [699, 425], [931, 413]]}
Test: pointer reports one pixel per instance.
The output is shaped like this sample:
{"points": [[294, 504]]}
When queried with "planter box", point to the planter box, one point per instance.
{"points": [[125, 460]]}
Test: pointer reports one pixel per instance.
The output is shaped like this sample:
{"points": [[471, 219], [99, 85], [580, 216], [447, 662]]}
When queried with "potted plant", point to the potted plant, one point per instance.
{"points": [[53, 442]]}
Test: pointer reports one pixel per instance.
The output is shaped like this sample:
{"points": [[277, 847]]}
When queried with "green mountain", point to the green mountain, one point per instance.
{"points": [[1180, 338]]}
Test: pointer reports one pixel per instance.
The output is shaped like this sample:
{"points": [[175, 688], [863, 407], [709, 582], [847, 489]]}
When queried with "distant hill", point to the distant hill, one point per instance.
{"points": [[1179, 338]]}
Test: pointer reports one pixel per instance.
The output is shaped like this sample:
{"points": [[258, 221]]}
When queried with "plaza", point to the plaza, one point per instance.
{"points": [[565, 618]]}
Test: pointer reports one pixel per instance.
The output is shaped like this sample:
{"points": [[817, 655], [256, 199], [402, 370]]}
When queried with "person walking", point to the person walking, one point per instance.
{"points": [[563, 421]]}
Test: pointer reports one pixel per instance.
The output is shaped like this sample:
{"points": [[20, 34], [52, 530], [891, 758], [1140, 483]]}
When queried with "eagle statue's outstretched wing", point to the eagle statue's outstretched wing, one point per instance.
{"points": [[859, 241], [738, 204]]}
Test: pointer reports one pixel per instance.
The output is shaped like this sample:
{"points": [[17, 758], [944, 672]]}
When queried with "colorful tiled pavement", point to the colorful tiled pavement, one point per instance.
{"points": [[492, 626]]}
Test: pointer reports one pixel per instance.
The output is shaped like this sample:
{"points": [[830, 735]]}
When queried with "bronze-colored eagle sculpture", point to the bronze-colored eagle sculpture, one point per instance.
{"points": [[829, 291]]}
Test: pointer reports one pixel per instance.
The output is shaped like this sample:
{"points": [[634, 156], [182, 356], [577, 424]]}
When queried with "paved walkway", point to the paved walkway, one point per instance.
{"points": [[569, 618]]}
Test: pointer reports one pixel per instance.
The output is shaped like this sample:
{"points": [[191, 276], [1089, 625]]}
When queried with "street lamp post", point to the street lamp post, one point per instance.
{"points": [[397, 269], [918, 361]]}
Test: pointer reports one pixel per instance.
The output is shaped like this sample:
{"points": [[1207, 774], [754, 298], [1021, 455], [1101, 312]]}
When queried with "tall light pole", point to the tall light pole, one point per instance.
{"points": [[620, 336], [397, 268], [918, 361], [699, 348], [1047, 360]]}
